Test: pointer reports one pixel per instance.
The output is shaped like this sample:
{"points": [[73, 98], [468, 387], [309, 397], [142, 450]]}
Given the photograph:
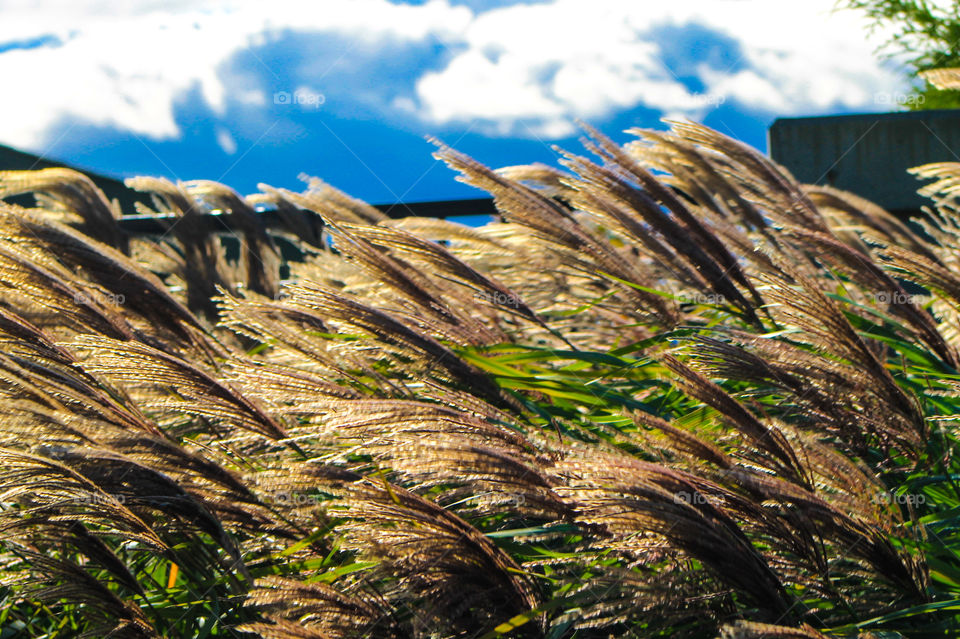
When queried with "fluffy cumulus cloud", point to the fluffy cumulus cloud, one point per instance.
{"points": [[512, 69], [126, 65], [550, 63]]}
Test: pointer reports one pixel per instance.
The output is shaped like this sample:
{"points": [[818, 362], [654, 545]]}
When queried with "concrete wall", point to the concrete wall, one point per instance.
{"points": [[867, 154]]}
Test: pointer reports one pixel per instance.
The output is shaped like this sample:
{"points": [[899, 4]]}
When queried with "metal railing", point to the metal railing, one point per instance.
{"points": [[219, 222]]}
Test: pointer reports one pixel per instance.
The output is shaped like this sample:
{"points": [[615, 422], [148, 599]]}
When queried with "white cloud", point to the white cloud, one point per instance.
{"points": [[125, 65], [799, 57], [518, 70], [225, 141]]}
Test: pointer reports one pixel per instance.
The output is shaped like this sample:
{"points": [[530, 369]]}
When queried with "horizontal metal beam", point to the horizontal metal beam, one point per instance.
{"points": [[439, 208], [220, 221]]}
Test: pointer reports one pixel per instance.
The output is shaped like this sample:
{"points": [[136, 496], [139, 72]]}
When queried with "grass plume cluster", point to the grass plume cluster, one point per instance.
{"points": [[670, 393]]}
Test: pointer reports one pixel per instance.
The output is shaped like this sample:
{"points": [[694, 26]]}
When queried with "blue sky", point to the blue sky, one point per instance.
{"points": [[347, 90]]}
